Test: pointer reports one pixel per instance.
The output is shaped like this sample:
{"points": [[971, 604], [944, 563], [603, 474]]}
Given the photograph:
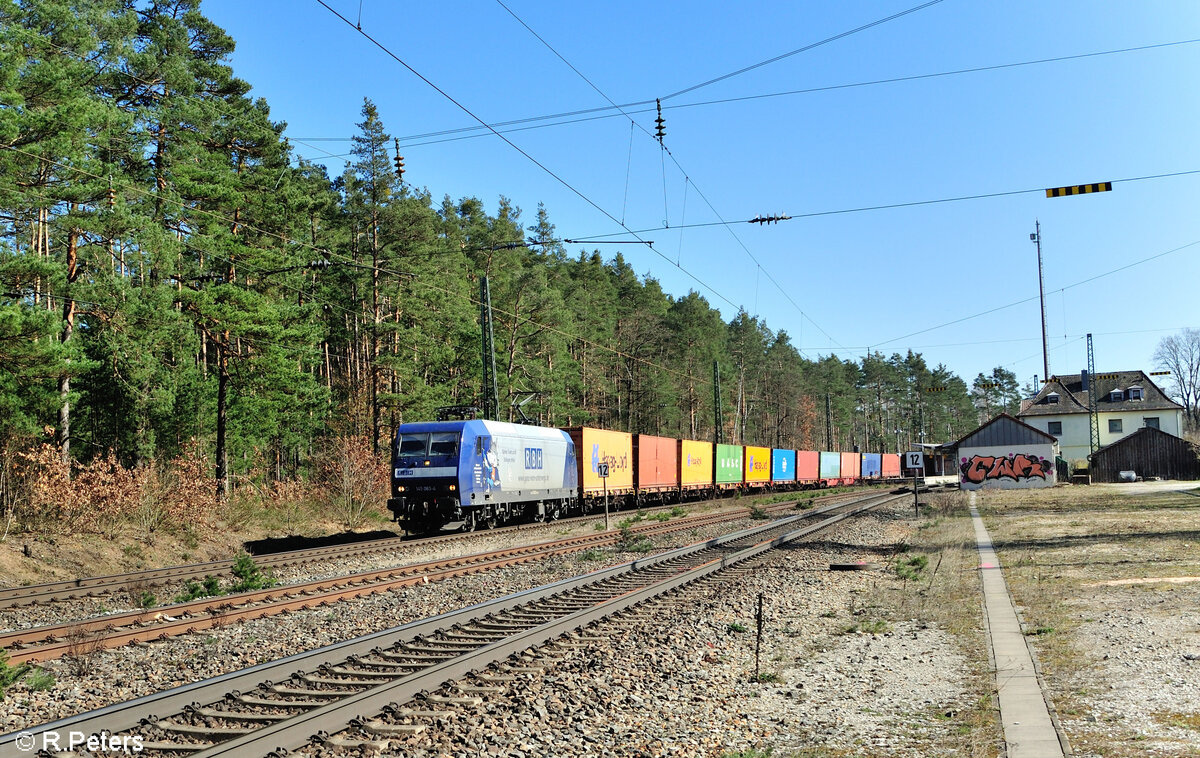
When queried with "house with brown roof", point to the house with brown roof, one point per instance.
{"points": [[1125, 402]]}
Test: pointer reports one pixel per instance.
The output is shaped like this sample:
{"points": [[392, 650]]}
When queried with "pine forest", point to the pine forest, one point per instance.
{"points": [[193, 320]]}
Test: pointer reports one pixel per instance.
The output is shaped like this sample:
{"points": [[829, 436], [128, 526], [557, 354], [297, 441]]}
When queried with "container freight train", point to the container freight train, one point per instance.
{"points": [[486, 473]]}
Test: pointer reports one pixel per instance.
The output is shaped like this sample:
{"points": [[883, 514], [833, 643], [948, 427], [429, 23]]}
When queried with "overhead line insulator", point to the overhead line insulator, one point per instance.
{"points": [[769, 219], [660, 129], [399, 162]]}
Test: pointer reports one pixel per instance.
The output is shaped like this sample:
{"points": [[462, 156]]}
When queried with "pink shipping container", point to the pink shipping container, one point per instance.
{"points": [[851, 466], [891, 465], [657, 463], [808, 465]]}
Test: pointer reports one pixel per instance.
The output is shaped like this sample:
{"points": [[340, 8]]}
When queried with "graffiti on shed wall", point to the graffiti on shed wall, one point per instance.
{"points": [[1018, 467]]}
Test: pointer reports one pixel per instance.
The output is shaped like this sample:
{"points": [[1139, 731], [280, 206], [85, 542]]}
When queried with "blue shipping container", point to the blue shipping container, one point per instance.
{"points": [[872, 465], [783, 465]]}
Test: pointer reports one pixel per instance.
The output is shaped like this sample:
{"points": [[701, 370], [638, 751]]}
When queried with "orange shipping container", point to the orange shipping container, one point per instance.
{"points": [[891, 465], [851, 466], [657, 463], [808, 465], [596, 446], [758, 464], [695, 464]]}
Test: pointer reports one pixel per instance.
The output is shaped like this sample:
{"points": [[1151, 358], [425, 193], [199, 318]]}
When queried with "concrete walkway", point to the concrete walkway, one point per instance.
{"points": [[1028, 729]]}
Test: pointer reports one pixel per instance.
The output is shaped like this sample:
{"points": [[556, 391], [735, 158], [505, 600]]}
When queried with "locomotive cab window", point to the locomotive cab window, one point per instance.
{"points": [[414, 445], [443, 443]]}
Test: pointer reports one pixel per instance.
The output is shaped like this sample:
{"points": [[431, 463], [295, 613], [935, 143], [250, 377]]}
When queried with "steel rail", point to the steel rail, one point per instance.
{"points": [[284, 736], [123, 716], [43, 643], [68, 589]]}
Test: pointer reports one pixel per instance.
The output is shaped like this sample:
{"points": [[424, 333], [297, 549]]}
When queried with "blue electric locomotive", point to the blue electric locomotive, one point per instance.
{"points": [[480, 473]]}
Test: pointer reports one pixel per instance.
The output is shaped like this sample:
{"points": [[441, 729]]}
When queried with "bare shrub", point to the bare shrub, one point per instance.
{"points": [[82, 646], [355, 480], [12, 491], [45, 479]]}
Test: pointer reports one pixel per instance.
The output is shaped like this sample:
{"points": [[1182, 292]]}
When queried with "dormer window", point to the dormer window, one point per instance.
{"points": [[1052, 398], [1135, 392], [1116, 396]]}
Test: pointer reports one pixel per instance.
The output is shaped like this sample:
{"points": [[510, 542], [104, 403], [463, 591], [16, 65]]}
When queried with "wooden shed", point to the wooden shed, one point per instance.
{"points": [[1149, 453], [1006, 453]]}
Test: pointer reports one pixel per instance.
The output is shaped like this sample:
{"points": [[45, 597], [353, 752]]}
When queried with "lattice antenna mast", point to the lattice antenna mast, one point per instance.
{"points": [[1093, 411]]}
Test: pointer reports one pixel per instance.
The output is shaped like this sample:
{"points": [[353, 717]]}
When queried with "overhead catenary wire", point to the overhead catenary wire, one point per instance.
{"points": [[895, 339], [595, 238], [514, 146], [804, 49], [369, 360], [645, 106], [664, 152], [1015, 303], [794, 215]]}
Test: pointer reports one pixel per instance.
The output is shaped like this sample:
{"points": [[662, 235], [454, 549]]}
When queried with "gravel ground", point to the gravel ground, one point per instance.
{"points": [[1145, 642], [1103, 576], [102, 678], [680, 681]]}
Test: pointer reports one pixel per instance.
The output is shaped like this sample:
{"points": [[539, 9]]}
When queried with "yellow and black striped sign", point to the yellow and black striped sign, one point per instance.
{"points": [[935, 389], [1160, 373], [1108, 376], [1079, 189]]}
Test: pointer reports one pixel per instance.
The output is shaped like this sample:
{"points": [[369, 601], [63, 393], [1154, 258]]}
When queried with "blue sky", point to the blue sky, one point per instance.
{"points": [[841, 283]]}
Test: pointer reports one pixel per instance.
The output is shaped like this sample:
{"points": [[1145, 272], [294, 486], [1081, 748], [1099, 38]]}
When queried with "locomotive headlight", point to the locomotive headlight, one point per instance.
{"points": [[452, 488], [400, 488]]}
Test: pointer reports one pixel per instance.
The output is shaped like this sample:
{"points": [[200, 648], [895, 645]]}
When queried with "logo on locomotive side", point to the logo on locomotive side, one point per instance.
{"points": [[533, 458]]}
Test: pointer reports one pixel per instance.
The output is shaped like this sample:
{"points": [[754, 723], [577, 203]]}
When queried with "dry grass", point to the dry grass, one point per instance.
{"points": [[1058, 547], [947, 594], [82, 646]]}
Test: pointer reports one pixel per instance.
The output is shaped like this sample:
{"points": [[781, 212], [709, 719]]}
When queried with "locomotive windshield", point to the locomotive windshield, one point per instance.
{"points": [[414, 445], [443, 443], [427, 445]]}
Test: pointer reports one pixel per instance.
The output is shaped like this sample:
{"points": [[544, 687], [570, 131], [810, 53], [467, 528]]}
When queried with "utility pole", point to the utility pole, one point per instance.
{"points": [[491, 391], [717, 420], [1036, 237], [828, 424]]}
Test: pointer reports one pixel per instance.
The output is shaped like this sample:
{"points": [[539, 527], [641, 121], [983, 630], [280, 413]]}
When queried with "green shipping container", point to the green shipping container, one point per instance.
{"points": [[831, 465], [728, 465]]}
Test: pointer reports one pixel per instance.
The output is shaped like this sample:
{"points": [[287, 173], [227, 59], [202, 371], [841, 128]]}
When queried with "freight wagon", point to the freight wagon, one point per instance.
{"points": [[598, 446], [656, 475]]}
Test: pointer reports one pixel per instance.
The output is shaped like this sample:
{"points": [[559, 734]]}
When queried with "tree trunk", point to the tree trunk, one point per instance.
{"points": [[222, 470], [64, 382]]}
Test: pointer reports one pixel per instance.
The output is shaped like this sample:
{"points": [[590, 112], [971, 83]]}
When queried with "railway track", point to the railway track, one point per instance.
{"points": [[284, 704], [43, 643], [69, 589]]}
